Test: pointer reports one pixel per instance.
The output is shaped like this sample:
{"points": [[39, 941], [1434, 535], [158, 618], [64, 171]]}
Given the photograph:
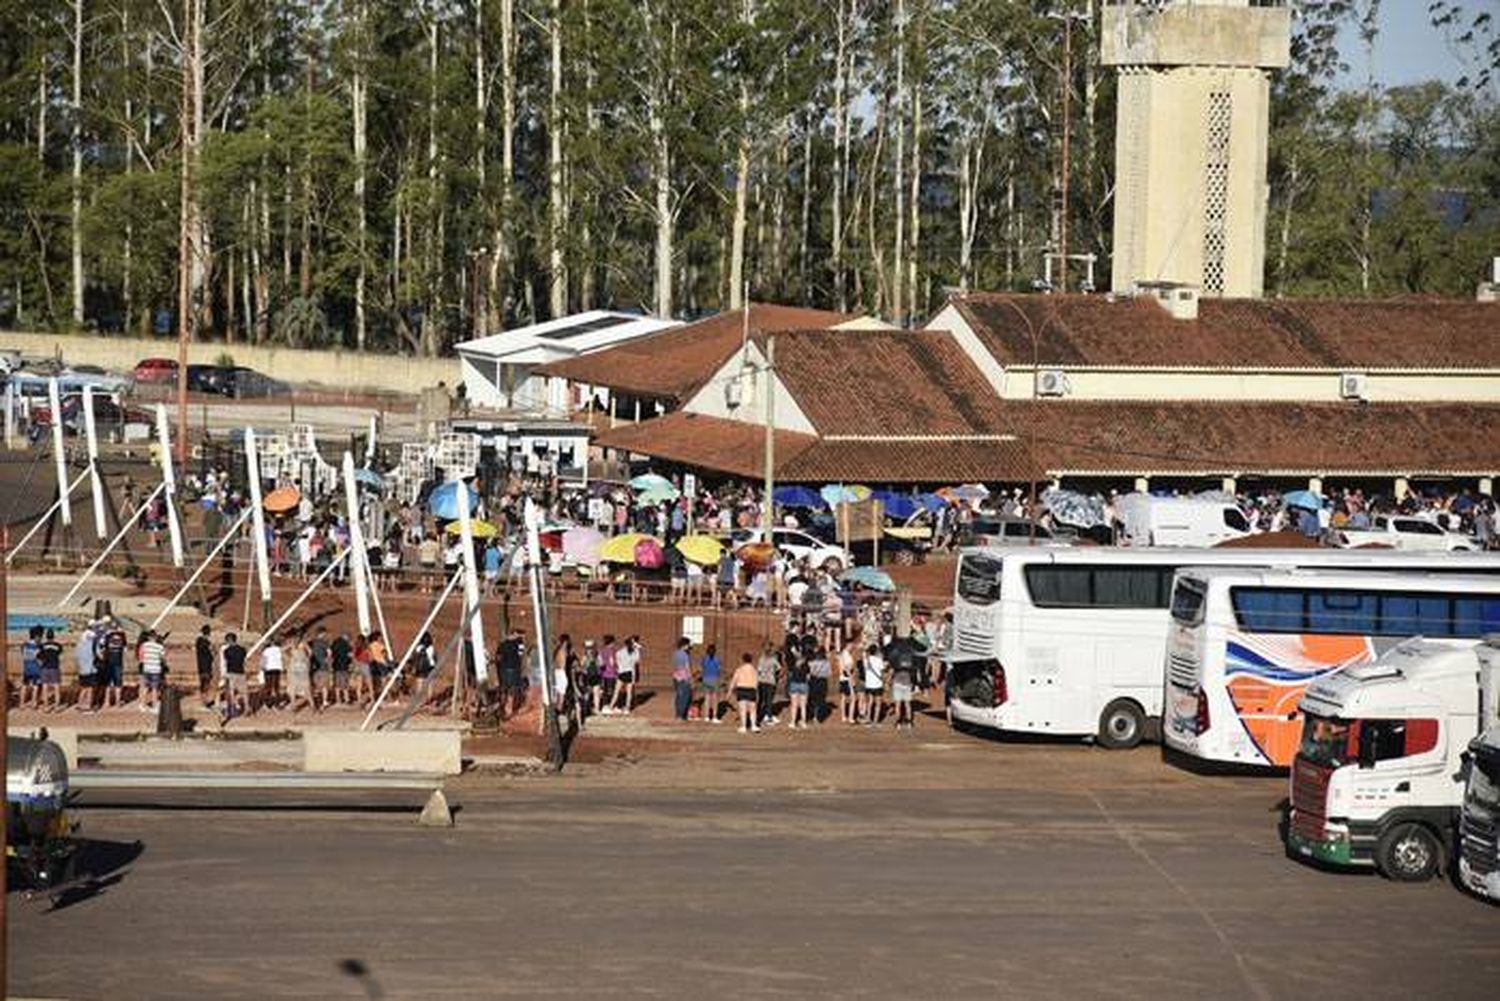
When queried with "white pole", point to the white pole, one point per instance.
{"points": [[471, 584], [358, 569], [169, 479], [10, 414], [91, 436], [109, 548], [43, 519], [212, 554], [538, 611], [370, 445], [58, 454], [412, 648], [258, 517], [271, 631]]}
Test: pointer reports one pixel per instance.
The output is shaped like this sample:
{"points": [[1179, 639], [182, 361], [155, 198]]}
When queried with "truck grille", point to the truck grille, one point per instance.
{"points": [[1182, 671], [1309, 798], [1480, 846]]}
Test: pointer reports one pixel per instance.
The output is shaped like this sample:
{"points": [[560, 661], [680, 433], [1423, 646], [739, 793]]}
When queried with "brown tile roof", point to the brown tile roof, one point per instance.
{"points": [[738, 449], [1226, 438], [1286, 333], [887, 382], [675, 364]]}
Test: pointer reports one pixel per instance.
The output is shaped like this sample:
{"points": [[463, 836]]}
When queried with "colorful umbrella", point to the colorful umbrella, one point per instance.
{"points": [[480, 529], [621, 548], [369, 478], [844, 493], [657, 494], [965, 492], [704, 550], [443, 501], [281, 500], [901, 506], [651, 481], [649, 554], [1305, 499], [798, 496], [869, 577], [756, 555], [931, 502], [581, 545]]}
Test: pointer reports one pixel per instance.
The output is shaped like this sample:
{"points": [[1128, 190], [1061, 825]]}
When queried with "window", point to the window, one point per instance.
{"points": [[1342, 612], [1388, 739], [979, 580], [1476, 616], [1235, 520], [1187, 602], [1099, 586], [1412, 526], [1415, 615], [1358, 612], [1267, 610]]}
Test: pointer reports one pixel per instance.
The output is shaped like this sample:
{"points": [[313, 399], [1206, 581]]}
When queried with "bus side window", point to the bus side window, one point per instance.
{"points": [[1476, 616], [1415, 615], [1268, 610], [1351, 612]]}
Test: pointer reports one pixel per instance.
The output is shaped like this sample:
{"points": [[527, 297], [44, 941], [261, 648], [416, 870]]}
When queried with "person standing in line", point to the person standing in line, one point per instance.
{"points": [[232, 663], [153, 658], [203, 655], [628, 662], [903, 680], [363, 678], [380, 663], [341, 658], [299, 678], [317, 654], [509, 657], [765, 685], [609, 672], [819, 671], [709, 669], [592, 679], [49, 659], [848, 667], [86, 656], [874, 685], [114, 663], [798, 685], [563, 662], [682, 679], [272, 664], [31, 669], [744, 682]]}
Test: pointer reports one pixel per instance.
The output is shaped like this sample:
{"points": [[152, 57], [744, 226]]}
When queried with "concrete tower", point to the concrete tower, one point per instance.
{"points": [[1190, 138]]}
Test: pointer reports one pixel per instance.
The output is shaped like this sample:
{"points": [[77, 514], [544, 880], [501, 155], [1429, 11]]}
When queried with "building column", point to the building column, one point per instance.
{"points": [[1142, 484], [1055, 483], [637, 409], [1401, 488], [1487, 486], [1315, 484], [1229, 485]]}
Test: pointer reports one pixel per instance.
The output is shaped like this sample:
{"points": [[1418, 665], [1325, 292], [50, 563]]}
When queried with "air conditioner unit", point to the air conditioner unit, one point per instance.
{"points": [[1051, 382], [1353, 386], [733, 394]]}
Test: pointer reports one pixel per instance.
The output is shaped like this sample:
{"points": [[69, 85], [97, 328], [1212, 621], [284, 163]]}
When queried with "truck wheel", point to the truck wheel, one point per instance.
{"points": [[1121, 725], [1409, 853]]}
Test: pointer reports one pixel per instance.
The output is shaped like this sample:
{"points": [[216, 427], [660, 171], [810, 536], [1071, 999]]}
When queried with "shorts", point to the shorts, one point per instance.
{"points": [[31, 674], [237, 684], [510, 680], [114, 672], [796, 688], [151, 681], [744, 695], [709, 686], [51, 676], [901, 693], [341, 680], [844, 688], [874, 691], [627, 677]]}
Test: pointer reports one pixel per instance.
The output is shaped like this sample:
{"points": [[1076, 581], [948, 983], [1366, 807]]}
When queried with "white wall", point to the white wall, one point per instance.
{"points": [[1435, 386], [710, 401]]}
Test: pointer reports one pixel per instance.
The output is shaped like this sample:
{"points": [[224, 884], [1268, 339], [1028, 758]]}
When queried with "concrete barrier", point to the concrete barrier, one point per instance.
{"points": [[65, 738], [431, 751]]}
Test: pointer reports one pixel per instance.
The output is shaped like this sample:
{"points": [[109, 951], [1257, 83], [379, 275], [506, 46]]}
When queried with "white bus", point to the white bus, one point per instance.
{"points": [[1071, 641], [1245, 644]]}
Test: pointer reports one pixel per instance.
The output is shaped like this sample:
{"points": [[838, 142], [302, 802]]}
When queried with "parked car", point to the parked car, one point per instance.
{"points": [[110, 415], [1001, 531], [1406, 532], [73, 378], [247, 382], [155, 370], [215, 379], [796, 544]]}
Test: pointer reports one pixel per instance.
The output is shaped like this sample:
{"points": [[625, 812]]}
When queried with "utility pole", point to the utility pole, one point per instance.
{"points": [[770, 457], [1062, 232]]}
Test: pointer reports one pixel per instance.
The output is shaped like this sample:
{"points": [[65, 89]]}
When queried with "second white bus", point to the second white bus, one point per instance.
{"points": [[1071, 642]]}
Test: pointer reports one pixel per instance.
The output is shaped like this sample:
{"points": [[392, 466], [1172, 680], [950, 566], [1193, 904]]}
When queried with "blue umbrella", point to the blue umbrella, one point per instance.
{"points": [[897, 505], [652, 481], [797, 496], [870, 577], [369, 478], [443, 501], [1305, 499], [931, 502]]}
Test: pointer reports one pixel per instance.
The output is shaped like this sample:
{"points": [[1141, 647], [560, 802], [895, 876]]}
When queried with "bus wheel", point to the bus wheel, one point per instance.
{"points": [[1409, 853], [1121, 725]]}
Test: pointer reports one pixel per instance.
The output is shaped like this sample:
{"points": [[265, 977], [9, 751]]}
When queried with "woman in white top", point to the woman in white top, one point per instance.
{"points": [[628, 664], [872, 699]]}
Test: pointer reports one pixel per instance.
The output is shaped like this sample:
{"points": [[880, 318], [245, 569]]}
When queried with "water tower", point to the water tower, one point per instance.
{"points": [[1191, 128]]}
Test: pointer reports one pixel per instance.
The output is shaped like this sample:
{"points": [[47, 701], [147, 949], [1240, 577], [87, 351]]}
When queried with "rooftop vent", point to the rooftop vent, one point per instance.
{"points": [[1179, 300]]}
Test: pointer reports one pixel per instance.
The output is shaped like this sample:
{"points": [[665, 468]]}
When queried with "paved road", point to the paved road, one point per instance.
{"points": [[1056, 872]]}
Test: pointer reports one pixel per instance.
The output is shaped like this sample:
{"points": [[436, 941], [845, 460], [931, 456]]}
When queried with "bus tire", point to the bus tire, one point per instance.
{"points": [[1409, 853], [1122, 725]]}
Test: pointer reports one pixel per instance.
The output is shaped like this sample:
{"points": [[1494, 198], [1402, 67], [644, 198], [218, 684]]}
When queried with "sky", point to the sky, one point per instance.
{"points": [[1408, 50]]}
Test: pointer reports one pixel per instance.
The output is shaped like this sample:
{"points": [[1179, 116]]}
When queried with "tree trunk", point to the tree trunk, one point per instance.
{"points": [[741, 210], [76, 134], [557, 298], [840, 152], [898, 165], [429, 239], [803, 272], [913, 303], [126, 290], [500, 261], [360, 109], [1284, 235], [661, 161]]}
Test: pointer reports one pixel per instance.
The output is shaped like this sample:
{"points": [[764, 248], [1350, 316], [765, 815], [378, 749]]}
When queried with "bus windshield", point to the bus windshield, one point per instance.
{"points": [[1484, 783], [979, 579], [1325, 740], [1187, 602]]}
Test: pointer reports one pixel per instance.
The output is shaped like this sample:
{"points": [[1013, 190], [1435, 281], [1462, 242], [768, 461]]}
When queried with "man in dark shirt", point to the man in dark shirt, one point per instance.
{"points": [[342, 654], [115, 642], [509, 657], [203, 650], [236, 694]]}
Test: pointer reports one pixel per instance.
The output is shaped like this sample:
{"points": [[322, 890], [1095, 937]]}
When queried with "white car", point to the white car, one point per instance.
{"points": [[796, 544], [1407, 532]]}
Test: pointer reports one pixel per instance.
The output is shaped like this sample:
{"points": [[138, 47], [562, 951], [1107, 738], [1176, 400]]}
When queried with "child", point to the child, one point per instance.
{"points": [[31, 669]]}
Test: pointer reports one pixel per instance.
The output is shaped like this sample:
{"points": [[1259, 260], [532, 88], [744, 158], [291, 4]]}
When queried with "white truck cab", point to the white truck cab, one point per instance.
{"points": [[1479, 843], [1179, 521], [1379, 776]]}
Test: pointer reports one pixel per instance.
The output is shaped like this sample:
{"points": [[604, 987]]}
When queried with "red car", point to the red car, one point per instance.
{"points": [[156, 370]]}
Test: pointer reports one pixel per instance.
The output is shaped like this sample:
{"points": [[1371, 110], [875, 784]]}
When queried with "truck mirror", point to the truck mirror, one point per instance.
{"points": [[1366, 753]]}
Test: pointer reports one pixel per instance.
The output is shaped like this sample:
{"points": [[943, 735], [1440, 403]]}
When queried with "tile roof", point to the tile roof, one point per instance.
{"points": [[1226, 438], [886, 382], [674, 364], [1238, 333], [737, 449]]}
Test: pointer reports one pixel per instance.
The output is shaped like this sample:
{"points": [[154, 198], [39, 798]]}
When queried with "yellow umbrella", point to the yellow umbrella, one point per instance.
{"points": [[480, 529], [621, 548], [701, 549]]}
